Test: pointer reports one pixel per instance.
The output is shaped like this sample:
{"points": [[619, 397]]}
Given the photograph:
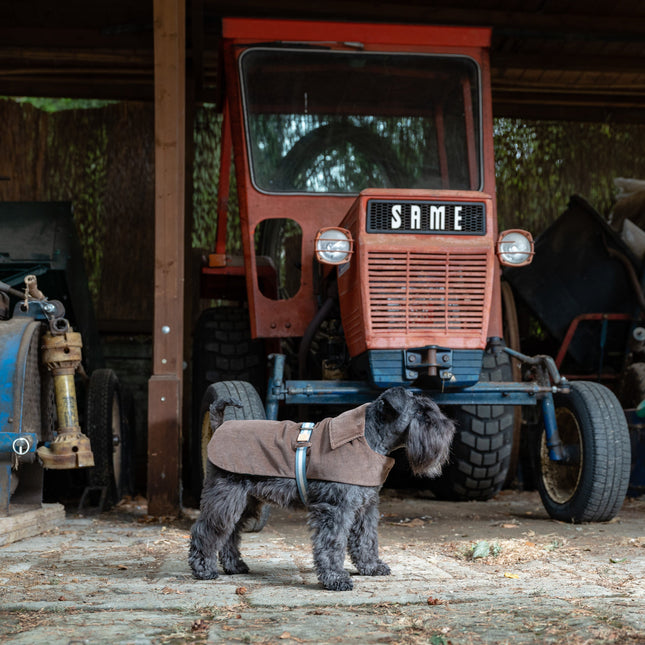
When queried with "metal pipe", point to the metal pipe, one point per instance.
{"points": [[274, 390], [10, 290], [556, 452]]}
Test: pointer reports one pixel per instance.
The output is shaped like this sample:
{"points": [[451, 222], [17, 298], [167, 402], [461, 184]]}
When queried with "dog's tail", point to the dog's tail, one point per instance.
{"points": [[218, 408]]}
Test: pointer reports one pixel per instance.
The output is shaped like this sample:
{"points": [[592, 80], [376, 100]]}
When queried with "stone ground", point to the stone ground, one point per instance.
{"points": [[474, 572]]}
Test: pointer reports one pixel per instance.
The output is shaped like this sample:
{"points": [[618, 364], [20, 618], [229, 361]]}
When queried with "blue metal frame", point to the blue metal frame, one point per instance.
{"points": [[7, 440], [312, 392], [15, 337]]}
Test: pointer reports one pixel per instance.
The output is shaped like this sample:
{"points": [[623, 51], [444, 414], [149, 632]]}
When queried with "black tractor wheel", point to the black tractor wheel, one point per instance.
{"points": [[252, 408], [590, 486], [108, 432], [481, 449], [223, 350]]}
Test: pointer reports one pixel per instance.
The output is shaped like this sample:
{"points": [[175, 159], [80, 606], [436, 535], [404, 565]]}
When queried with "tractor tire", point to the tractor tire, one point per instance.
{"points": [[512, 338], [592, 485], [481, 449], [109, 435], [252, 408], [222, 351]]}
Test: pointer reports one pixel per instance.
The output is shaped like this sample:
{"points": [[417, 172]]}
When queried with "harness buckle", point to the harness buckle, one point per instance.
{"points": [[302, 444]]}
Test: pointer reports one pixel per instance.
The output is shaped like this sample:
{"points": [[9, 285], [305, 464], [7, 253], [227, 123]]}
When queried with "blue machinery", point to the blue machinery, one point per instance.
{"points": [[548, 381], [37, 347]]}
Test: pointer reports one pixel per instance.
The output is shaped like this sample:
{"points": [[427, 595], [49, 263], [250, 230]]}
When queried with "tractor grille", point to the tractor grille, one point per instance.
{"points": [[445, 218], [427, 292]]}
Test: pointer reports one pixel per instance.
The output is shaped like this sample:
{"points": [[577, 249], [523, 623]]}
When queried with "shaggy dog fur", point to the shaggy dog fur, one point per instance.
{"points": [[342, 517]]}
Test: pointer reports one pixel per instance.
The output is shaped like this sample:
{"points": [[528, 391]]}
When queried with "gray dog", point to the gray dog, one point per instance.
{"points": [[342, 506]]}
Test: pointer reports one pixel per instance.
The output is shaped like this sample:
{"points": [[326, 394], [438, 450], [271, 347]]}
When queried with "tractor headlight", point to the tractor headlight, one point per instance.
{"points": [[515, 248], [334, 245]]}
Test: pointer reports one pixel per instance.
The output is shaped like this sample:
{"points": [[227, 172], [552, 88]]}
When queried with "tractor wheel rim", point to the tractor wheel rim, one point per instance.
{"points": [[117, 439], [561, 480], [207, 433]]}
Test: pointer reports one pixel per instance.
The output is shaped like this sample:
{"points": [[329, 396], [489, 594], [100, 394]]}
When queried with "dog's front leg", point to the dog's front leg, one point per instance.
{"points": [[330, 525], [363, 542]]}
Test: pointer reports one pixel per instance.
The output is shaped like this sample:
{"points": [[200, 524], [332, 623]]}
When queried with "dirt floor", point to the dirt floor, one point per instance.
{"points": [[475, 572]]}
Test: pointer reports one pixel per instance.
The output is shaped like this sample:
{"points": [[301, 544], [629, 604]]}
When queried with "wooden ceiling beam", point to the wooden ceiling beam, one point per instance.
{"points": [[88, 57], [61, 38], [542, 60], [564, 21], [90, 88], [578, 113]]}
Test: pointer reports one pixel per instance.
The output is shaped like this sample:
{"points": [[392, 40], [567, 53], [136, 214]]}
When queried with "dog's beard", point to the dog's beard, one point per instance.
{"points": [[430, 471]]}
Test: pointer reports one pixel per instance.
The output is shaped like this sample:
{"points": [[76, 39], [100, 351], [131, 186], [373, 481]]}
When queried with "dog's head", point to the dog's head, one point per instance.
{"points": [[415, 421]]}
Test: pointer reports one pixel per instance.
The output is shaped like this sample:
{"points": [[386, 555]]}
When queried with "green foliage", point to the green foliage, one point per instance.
{"points": [[47, 104], [207, 137], [539, 165]]}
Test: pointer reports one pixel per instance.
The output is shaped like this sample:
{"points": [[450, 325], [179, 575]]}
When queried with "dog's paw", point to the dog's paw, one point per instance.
{"points": [[377, 569], [231, 568], [203, 569], [205, 574], [337, 582]]}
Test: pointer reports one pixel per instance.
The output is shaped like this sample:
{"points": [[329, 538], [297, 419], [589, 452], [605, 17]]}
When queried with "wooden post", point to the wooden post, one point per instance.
{"points": [[165, 386]]}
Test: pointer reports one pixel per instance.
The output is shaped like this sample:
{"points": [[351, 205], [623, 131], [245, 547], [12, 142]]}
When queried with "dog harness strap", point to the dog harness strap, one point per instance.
{"points": [[302, 443]]}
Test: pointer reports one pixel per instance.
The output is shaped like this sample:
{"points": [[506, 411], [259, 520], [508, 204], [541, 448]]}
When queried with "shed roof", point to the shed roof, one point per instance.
{"points": [[560, 59]]}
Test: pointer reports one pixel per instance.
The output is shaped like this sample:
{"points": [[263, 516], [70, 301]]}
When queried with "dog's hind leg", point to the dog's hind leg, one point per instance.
{"points": [[229, 555], [330, 525], [223, 503], [363, 542]]}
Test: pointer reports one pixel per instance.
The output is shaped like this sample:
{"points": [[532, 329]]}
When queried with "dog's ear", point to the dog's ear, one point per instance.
{"points": [[395, 400], [430, 435]]}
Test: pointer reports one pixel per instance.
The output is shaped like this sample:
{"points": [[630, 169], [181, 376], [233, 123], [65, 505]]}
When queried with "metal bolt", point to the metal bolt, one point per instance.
{"points": [[639, 334], [165, 329], [21, 446]]}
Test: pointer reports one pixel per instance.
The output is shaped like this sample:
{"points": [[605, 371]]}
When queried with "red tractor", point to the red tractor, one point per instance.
{"points": [[363, 158]]}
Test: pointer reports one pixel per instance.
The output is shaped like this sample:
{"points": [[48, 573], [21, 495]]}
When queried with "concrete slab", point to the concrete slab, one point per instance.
{"points": [[123, 578], [24, 523]]}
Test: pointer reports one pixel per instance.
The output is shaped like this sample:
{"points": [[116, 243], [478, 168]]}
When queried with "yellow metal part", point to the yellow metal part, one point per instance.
{"points": [[71, 448], [66, 406], [67, 450], [62, 353]]}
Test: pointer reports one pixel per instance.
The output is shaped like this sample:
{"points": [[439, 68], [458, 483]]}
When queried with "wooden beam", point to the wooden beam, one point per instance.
{"points": [[165, 386]]}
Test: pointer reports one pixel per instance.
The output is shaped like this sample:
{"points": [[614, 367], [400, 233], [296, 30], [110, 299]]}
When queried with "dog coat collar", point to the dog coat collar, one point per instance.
{"points": [[302, 444]]}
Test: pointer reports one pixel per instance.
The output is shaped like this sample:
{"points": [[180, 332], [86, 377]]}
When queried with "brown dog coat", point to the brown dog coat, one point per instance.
{"points": [[338, 450]]}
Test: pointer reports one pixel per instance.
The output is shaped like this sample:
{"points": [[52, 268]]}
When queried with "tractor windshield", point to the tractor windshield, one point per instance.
{"points": [[338, 122]]}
